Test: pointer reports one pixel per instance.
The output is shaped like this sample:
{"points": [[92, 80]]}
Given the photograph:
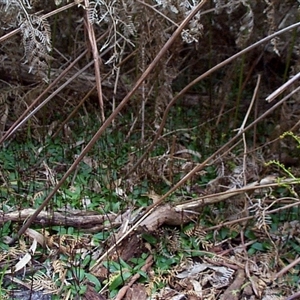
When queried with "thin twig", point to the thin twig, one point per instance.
{"points": [[96, 57], [287, 268], [281, 89], [294, 296]]}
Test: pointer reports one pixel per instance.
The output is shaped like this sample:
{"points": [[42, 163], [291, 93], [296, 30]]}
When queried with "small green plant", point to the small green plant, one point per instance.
{"points": [[3, 294], [5, 232], [259, 247], [120, 271]]}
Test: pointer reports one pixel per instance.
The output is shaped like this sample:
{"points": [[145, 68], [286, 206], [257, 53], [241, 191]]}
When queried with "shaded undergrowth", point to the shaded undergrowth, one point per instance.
{"points": [[66, 260]]}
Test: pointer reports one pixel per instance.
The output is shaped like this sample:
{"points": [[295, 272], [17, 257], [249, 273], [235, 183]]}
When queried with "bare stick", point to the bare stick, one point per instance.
{"points": [[287, 268], [96, 57], [281, 89], [243, 126]]}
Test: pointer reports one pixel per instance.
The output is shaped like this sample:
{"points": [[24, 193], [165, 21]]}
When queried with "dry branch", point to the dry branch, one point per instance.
{"points": [[231, 292], [92, 220], [76, 218]]}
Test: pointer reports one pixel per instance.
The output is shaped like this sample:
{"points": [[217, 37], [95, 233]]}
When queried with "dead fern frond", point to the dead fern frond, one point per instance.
{"points": [[232, 5], [37, 42], [117, 15], [246, 28], [195, 26], [262, 219], [267, 260], [169, 242], [9, 11], [35, 30], [199, 233], [183, 8], [41, 282], [59, 268]]}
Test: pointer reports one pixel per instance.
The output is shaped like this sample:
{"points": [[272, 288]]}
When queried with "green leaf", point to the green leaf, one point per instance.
{"points": [[93, 279], [164, 263], [149, 238], [82, 290], [140, 263], [86, 261], [124, 264], [200, 253], [112, 266], [119, 280], [295, 246], [113, 294], [5, 228], [101, 236], [70, 230], [143, 273], [59, 229], [250, 234], [4, 246], [251, 251], [257, 246], [80, 273], [260, 246]]}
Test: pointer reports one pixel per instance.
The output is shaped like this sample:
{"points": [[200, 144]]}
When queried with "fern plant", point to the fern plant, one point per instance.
{"points": [[35, 30]]}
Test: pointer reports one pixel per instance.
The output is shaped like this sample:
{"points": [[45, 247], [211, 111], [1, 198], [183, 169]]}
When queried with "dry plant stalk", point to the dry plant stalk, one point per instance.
{"points": [[96, 57]]}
